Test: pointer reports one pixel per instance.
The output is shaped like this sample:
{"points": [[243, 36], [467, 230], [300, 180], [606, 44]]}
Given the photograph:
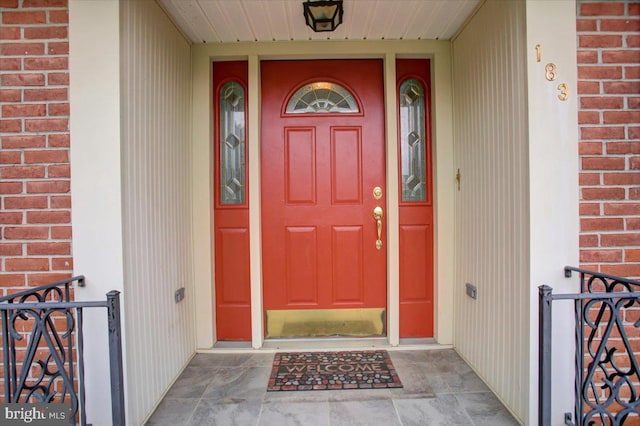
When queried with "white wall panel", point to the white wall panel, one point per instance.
{"points": [[156, 158], [96, 183], [492, 206], [553, 190]]}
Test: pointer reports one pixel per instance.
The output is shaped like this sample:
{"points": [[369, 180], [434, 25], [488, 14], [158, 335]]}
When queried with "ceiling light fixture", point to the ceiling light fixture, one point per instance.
{"points": [[323, 15]]}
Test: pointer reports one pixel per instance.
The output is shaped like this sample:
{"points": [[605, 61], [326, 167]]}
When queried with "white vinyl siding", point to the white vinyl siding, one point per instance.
{"points": [[156, 156], [492, 207]]}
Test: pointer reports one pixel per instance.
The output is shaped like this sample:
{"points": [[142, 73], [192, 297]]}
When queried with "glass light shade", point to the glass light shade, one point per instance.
{"points": [[324, 15]]}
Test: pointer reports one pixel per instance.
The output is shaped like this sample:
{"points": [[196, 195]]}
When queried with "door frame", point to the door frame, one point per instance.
{"points": [[439, 53]]}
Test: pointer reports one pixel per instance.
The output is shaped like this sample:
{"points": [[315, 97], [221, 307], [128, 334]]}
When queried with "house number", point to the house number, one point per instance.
{"points": [[564, 91], [551, 71]]}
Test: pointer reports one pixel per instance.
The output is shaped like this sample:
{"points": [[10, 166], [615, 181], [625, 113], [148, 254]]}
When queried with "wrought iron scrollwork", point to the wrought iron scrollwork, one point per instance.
{"points": [[607, 369], [42, 348], [608, 389], [38, 346], [47, 356]]}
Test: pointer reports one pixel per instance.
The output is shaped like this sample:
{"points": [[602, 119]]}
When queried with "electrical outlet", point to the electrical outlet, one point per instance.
{"points": [[179, 295], [472, 291]]}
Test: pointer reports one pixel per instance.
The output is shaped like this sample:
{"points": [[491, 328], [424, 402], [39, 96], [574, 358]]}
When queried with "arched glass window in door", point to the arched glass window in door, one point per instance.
{"points": [[232, 144], [412, 141], [322, 97]]}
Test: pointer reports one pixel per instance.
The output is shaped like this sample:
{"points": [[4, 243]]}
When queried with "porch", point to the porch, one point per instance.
{"points": [[231, 388], [157, 224]]}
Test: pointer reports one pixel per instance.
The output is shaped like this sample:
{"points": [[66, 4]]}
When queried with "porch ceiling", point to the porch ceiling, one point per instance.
{"points": [[225, 21]]}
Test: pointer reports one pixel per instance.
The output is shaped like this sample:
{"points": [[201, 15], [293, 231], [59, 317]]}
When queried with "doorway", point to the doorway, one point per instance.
{"points": [[323, 198]]}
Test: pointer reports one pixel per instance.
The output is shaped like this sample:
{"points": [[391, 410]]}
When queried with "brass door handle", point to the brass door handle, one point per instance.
{"points": [[377, 215]]}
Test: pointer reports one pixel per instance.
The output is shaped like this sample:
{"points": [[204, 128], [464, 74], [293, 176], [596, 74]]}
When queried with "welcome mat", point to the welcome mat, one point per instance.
{"points": [[332, 370]]}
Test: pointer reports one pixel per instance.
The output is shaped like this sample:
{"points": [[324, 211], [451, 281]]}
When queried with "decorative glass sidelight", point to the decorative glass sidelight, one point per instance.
{"points": [[232, 144], [412, 141], [322, 97]]}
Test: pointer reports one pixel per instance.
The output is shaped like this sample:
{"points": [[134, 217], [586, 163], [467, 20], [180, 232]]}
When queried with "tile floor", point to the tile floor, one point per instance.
{"points": [[230, 389]]}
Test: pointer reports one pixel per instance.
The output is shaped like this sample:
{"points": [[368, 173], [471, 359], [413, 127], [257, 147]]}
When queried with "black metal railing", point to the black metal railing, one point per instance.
{"points": [[607, 371], [43, 348]]}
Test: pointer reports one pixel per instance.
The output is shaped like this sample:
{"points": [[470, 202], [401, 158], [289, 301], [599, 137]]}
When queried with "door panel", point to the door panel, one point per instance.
{"points": [[318, 173], [348, 256], [346, 166], [231, 211], [300, 164], [415, 272], [233, 265], [301, 256], [416, 205]]}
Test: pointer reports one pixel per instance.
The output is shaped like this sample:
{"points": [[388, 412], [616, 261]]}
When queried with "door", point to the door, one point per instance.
{"points": [[416, 199], [231, 205], [322, 156]]}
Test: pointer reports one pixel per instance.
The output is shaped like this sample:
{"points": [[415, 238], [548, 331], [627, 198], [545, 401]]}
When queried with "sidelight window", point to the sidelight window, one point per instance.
{"points": [[413, 141], [232, 144]]}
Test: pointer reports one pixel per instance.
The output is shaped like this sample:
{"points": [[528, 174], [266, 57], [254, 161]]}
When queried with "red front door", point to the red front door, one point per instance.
{"points": [[319, 168]]}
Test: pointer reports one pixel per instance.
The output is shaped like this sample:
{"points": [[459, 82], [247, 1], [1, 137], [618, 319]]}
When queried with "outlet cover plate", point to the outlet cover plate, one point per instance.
{"points": [[472, 290], [179, 294]]}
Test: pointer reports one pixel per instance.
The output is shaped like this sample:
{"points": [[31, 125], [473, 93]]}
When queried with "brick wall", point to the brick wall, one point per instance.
{"points": [[609, 120], [35, 203]]}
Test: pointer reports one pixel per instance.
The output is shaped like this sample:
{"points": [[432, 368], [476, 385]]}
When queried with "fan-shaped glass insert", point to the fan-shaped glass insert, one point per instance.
{"points": [[322, 97], [412, 141]]}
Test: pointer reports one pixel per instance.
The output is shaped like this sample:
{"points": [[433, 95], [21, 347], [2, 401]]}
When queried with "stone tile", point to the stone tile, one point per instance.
{"points": [[417, 381], [465, 382], [448, 355], [353, 413], [431, 361], [445, 361], [360, 394], [204, 360], [441, 411], [328, 395], [172, 412], [244, 360], [238, 384], [232, 360], [485, 409], [295, 413], [191, 384], [210, 412], [407, 357], [297, 396], [439, 389]]}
